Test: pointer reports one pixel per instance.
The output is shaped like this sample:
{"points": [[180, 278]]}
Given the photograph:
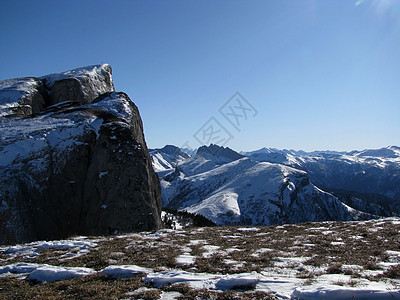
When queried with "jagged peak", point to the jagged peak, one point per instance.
{"points": [[219, 151], [172, 150]]}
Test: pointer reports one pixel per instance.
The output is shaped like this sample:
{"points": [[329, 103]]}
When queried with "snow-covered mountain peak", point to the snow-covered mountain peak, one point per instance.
{"points": [[366, 182], [167, 158], [387, 152], [218, 154], [245, 191]]}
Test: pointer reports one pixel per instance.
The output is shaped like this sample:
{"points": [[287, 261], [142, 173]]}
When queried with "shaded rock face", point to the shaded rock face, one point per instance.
{"points": [[77, 169]]}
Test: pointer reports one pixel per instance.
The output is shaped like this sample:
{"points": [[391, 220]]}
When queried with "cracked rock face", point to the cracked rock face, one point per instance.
{"points": [[78, 168]]}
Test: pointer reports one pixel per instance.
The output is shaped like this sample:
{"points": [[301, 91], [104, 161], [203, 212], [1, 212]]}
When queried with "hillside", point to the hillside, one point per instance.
{"points": [[333, 260], [271, 186]]}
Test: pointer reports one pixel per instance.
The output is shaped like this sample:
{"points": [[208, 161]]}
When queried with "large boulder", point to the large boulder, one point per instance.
{"points": [[29, 95], [81, 85], [77, 169]]}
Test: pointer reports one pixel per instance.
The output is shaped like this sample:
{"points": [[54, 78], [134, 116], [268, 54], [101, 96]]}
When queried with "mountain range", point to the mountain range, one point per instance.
{"points": [[271, 186]]}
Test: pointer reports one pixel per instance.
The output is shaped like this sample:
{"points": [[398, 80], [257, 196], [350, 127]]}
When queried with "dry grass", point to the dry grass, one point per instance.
{"points": [[326, 248], [88, 287]]}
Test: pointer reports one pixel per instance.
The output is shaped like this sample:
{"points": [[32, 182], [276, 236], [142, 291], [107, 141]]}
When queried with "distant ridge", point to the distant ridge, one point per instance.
{"points": [[219, 151]]}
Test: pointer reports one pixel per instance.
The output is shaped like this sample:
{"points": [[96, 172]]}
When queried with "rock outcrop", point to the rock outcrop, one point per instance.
{"points": [[22, 97], [81, 85], [78, 167]]}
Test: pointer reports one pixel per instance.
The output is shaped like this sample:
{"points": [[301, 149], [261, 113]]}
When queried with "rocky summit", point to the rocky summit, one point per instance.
{"points": [[73, 159]]}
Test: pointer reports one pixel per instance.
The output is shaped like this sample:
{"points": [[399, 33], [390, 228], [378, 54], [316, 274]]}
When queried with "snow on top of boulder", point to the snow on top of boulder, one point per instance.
{"points": [[13, 90], [117, 104], [23, 136], [19, 137], [93, 72], [82, 85], [16, 88]]}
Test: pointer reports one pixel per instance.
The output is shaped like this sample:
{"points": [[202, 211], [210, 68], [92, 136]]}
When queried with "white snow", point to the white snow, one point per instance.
{"points": [[210, 250], [13, 90], [244, 189], [18, 268], [185, 259], [196, 280], [124, 271], [44, 272], [337, 293], [229, 192], [76, 247], [22, 137], [243, 280], [217, 205], [93, 78], [248, 229], [281, 279], [197, 242], [283, 287]]}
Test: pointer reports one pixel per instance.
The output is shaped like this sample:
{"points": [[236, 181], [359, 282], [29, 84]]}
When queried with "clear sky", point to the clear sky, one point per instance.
{"points": [[315, 74]]}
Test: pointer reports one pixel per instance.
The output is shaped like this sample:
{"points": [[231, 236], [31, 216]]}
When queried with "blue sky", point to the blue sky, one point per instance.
{"points": [[315, 74]]}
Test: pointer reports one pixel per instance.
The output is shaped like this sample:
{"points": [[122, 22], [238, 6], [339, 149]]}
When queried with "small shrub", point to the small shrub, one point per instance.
{"points": [[305, 274], [148, 295], [334, 269], [371, 265], [182, 288], [393, 272], [309, 281]]}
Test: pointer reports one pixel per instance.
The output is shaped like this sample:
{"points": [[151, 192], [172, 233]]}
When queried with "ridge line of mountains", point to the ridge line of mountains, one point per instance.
{"points": [[271, 186]]}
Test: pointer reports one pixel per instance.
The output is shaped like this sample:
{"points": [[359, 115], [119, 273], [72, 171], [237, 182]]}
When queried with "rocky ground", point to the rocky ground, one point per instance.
{"points": [[305, 261]]}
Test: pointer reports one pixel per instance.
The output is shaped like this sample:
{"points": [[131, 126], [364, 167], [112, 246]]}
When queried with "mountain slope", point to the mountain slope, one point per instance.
{"points": [[164, 160], [249, 192], [285, 186], [368, 179]]}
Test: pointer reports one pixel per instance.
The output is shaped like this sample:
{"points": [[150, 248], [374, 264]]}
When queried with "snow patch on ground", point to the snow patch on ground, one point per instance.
{"points": [[44, 272], [334, 292], [288, 275], [185, 259], [124, 271], [76, 247]]}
